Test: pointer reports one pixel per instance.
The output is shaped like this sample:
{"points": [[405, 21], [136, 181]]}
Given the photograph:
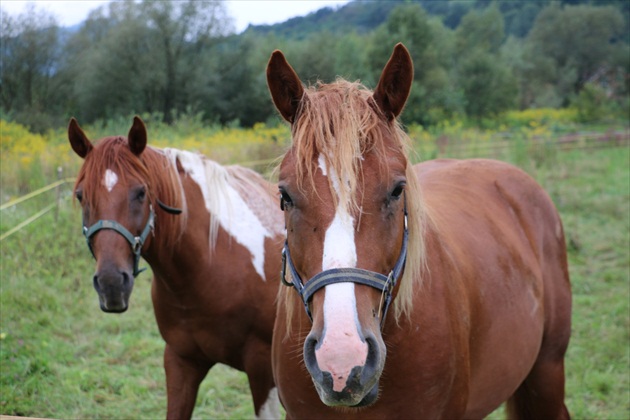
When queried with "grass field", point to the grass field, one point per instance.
{"points": [[61, 357]]}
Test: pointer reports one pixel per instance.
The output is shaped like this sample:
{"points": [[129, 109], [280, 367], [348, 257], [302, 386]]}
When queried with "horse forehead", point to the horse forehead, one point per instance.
{"points": [[110, 179]]}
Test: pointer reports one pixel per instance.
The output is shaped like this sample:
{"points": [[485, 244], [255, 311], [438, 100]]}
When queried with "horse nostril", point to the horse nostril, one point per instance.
{"points": [[309, 354], [310, 343], [375, 355], [97, 287], [125, 279]]}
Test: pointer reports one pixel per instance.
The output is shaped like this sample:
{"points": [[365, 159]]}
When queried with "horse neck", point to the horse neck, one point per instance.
{"points": [[172, 231], [209, 217], [175, 266]]}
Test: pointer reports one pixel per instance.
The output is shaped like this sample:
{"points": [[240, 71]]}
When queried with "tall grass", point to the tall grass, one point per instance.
{"points": [[61, 357]]}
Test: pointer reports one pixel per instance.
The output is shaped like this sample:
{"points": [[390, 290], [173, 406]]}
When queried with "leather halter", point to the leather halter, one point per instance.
{"points": [[382, 283], [136, 242]]}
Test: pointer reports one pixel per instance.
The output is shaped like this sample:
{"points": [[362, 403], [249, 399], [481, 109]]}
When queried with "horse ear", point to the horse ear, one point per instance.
{"points": [[137, 137], [394, 86], [284, 85], [78, 140]]}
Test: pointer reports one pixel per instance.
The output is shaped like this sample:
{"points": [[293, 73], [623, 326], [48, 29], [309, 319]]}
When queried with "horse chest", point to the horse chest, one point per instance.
{"points": [[194, 328], [197, 337]]}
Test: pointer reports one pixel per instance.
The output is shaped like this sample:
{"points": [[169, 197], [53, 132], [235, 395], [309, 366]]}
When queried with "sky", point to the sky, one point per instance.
{"points": [[244, 12]]}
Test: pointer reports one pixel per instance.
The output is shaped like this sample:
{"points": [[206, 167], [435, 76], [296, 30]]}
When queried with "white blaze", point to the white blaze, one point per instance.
{"points": [[110, 180], [342, 347], [339, 248]]}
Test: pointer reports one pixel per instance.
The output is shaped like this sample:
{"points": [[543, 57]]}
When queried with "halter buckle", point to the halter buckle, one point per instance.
{"points": [[137, 246]]}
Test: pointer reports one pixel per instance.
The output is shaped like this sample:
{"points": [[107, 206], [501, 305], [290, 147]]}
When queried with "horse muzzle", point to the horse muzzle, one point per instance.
{"points": [[114, 288], [359, 387]]}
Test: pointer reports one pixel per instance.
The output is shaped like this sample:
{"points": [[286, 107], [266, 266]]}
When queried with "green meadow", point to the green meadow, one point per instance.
{"points": [[61, 357]]}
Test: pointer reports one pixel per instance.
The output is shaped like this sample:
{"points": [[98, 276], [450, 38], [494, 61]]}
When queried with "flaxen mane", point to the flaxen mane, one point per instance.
{"points": [[340, 122], [219, 184]]}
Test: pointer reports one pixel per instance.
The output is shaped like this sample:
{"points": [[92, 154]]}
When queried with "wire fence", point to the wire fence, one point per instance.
{"points": [[55, 205], [577, 142]]}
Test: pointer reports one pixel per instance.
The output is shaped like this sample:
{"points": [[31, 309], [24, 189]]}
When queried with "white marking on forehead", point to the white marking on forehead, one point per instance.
{"points": [[339, 247], [225, 204], [110, 180], [321, 160], [322, 163]]}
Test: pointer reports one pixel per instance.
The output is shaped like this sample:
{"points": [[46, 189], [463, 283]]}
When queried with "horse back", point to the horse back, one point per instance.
{"points": [[496, 257]]}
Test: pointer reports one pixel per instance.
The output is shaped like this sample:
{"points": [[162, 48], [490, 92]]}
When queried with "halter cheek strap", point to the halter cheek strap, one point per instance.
{"points": [[382, 283], [136, 242], [170, 210]]}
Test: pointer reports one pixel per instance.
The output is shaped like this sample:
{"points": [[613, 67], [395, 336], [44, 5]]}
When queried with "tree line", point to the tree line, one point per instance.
{"points": [[169, 58]]}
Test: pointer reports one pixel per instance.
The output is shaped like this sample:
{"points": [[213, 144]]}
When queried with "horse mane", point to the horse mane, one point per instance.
{"points": [[159, 175], [250, 186], [340, 122], [259, 194], [160, 170]]}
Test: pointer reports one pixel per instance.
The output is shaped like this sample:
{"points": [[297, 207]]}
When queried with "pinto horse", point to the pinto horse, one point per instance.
{"points": [[471, 255], [212, 236]]}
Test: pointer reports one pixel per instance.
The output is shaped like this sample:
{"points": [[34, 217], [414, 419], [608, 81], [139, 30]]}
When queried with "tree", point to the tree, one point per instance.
{"points": [[350, 56], [29, 58], [568, 45], [315, 57], [431, 47], [480, 29], [486, 82], [144, 57], [488, 85], [235, 90], [183, 29], [520, 16]]}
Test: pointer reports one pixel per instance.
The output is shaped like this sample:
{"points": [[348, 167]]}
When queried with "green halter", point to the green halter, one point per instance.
{"points": [[136, 242]]}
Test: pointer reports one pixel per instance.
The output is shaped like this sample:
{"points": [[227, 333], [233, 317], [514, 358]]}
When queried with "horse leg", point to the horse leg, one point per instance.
{"points": [[541, 395], [264, 393], [183, 377]]}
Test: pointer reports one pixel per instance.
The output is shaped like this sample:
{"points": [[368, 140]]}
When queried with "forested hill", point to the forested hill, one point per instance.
{"points": [[359, 15], [170, 60], [363, 16]]}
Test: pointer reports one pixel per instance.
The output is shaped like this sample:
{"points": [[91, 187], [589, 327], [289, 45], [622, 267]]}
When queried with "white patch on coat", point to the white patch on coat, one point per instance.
{"points": [[225, 205], [271, 408], [110, 180]]}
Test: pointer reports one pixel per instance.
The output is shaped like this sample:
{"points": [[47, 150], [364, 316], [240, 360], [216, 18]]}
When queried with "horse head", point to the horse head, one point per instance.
{"points": [[117, 211], [345, 186]]}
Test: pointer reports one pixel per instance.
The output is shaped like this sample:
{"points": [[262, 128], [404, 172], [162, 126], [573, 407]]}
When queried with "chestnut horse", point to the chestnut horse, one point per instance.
{"points": [[212, 236], [471, 255]]}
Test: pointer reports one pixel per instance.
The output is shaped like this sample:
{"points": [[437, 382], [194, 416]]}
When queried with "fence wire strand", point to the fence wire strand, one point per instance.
{"points": [[583, 142], [28, 221]]}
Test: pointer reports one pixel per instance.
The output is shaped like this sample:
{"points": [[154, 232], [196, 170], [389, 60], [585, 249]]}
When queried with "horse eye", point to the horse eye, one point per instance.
{"points": [[398, 190], [285, 200], [79, 195], [141, 194]]}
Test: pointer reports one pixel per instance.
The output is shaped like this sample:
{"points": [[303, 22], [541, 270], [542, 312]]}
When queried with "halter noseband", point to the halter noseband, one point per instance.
{"points": [[136, 242], [382, 283]]}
